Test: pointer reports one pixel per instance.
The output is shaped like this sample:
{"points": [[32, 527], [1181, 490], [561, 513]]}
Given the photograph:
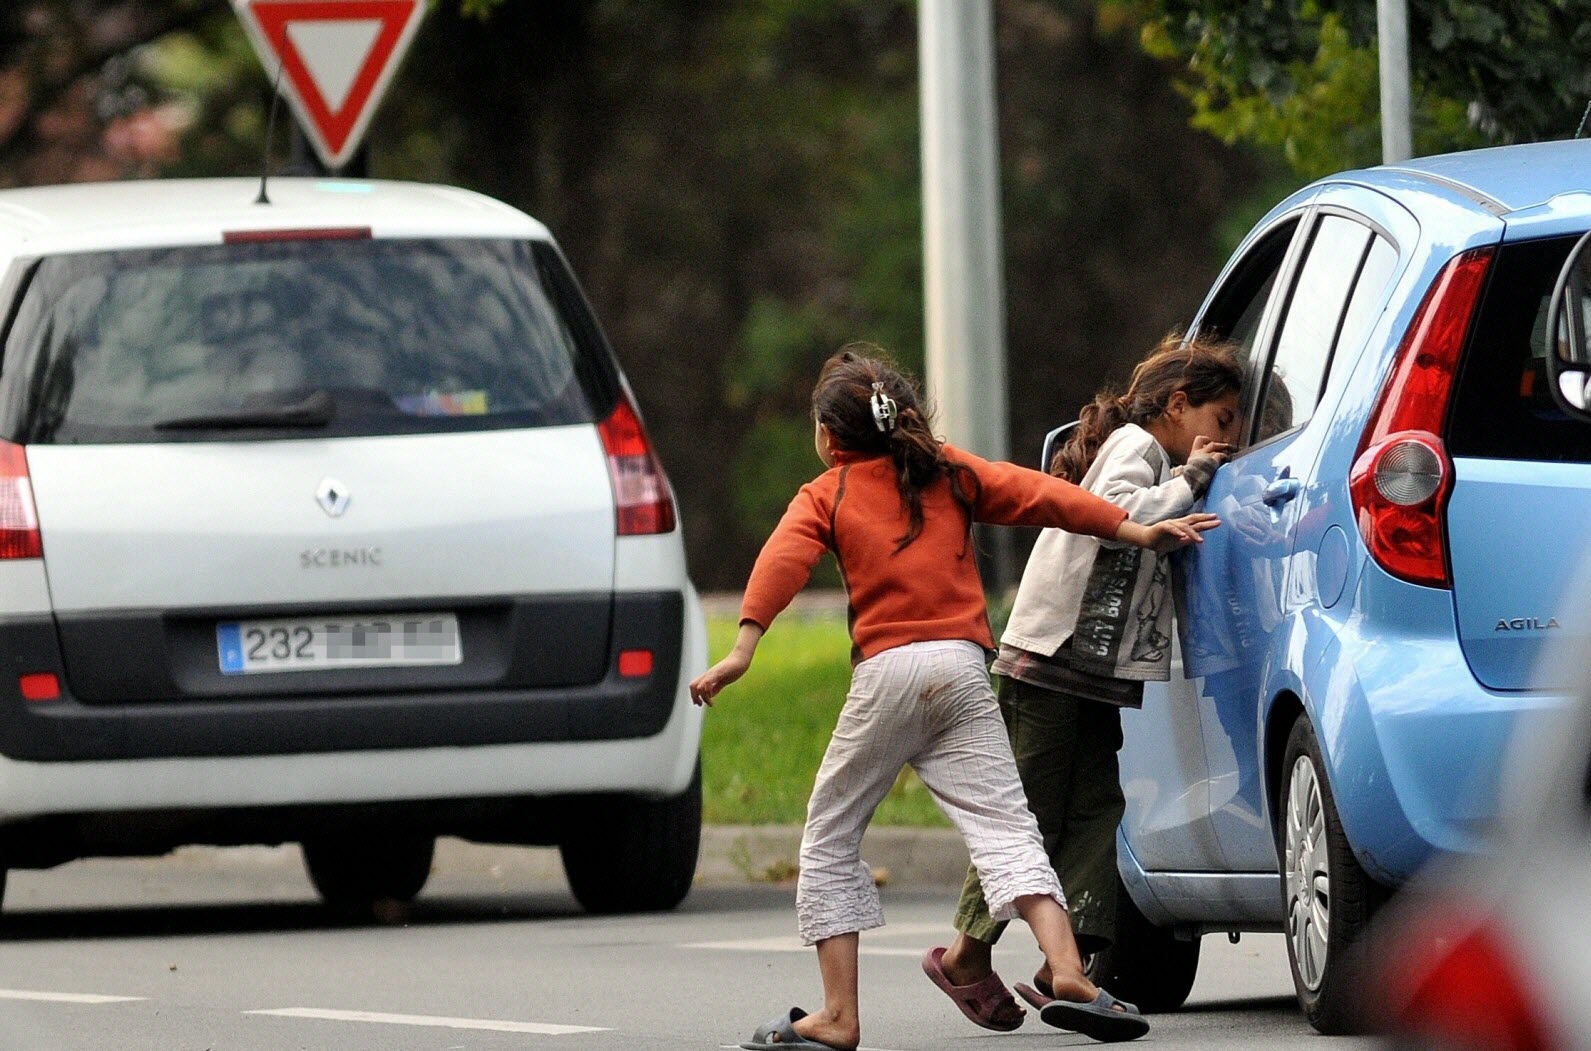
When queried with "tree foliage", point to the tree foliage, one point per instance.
{"points": [[735, 181], [1302, 75]]}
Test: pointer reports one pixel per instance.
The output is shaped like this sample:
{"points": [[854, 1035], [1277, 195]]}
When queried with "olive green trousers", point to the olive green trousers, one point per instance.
{"points": [[1065, 752]]}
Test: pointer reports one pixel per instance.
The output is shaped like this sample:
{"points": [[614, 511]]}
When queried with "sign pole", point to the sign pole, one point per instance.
{"points": [[963, 270], [1392, 27]]}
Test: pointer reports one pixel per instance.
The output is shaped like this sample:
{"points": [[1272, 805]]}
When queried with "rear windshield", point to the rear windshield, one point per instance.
{"points": [[1504, 408], [301, 338]]}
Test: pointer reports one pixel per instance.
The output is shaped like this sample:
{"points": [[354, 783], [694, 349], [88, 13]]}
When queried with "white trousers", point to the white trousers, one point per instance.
{"points": [[930, 705]]}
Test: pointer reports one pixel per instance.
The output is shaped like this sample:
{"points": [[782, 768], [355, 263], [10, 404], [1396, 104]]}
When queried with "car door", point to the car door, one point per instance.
{"points": [[1237, 582], [1165, 769]]}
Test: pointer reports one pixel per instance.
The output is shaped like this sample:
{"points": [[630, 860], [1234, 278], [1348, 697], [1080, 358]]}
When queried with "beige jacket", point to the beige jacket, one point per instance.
{"points": [[1111, 599]]}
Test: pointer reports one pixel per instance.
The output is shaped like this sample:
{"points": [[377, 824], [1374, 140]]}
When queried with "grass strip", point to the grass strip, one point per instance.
{"points": [[766, 734]]}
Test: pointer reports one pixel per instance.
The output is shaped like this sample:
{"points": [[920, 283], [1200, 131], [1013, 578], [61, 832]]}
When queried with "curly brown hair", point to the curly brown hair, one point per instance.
{"points": [[1202, 368]]}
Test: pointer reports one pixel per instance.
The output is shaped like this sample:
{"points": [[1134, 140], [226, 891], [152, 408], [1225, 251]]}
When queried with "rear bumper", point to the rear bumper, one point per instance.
{"points": [[246, 795], [1415, 746], [410, 715], [653, 766]]}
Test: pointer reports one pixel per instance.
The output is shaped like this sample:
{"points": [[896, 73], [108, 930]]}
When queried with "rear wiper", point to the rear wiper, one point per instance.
{"points": [[313, 411]]}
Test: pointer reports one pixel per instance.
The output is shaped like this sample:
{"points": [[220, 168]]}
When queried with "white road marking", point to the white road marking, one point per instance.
{"points": [[66, 998], [539, 1028]]}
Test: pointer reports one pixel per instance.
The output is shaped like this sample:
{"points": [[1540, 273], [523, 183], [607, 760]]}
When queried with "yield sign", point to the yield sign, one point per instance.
{"points": [[336, 58]]}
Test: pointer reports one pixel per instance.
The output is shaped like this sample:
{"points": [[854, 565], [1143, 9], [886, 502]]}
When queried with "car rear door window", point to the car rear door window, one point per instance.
{"points": [[1313, 321], [1369, 295], [295, 337]]}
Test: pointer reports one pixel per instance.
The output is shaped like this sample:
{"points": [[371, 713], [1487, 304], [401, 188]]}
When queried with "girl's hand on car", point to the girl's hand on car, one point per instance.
{"points": [[1171, 535], [1205, 446]]}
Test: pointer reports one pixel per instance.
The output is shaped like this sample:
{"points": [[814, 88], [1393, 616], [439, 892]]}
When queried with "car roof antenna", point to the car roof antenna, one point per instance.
{"points": [[270, 128], [1578, 132]]}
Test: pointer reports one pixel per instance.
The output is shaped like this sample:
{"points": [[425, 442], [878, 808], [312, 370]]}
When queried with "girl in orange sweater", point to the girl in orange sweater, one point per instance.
{"points": [[896, 507]]}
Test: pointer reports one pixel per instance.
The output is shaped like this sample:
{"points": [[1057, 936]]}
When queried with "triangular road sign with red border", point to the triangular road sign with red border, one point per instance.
{"points": [[336, 59]]}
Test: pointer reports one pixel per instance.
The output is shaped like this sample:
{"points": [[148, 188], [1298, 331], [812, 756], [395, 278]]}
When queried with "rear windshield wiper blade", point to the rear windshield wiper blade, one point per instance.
{"points": [[313, 411]]}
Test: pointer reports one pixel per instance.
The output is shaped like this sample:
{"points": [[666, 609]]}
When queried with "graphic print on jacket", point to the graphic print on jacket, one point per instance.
{"points": [[1107, 609], [1153, 644]]}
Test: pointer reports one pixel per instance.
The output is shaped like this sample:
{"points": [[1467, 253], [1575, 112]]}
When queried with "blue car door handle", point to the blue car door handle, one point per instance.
{"points": [[1281, 491]]}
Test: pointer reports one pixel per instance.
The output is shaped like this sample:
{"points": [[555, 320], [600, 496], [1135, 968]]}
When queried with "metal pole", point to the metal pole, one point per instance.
{"points": [[963, 272], [1392, 23]]}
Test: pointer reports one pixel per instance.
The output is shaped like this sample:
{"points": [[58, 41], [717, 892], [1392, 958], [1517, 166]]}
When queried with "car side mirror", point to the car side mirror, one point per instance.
{"points": [[1053, 441], [1568, 352]]}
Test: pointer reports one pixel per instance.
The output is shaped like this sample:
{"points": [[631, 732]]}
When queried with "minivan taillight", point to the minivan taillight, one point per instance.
{"points": [[641, 491], [1402, 474], [19, 523]]}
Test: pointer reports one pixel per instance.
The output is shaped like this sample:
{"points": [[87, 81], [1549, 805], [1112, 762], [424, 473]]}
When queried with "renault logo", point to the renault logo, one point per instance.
{"points": [[332, 497]]}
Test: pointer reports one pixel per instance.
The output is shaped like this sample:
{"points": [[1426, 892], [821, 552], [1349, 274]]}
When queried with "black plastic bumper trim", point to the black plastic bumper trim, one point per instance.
{"points": [[611, 708]]}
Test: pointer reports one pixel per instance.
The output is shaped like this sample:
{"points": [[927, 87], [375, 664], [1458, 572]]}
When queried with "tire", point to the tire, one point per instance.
{"points": [[352, 874], [1148, 965], [629, 854], [1327, 897]]}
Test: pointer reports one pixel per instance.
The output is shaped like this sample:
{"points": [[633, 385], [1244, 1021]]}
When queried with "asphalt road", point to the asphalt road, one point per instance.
{"points": [[210, 950]]}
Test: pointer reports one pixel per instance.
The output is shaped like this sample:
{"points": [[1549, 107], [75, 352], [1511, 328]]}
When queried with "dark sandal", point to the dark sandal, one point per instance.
{"points": [[778, 1034], [1040, 997], [1097, 1019]]}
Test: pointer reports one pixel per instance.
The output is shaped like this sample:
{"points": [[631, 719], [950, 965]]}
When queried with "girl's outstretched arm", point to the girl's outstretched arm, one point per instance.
{"points": [[1170, 534], [1012, 495], [732, 667]]}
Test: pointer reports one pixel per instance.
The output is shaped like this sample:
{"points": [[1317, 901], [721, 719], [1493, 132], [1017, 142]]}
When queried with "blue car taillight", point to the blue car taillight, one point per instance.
{"points": [[1402, 474]]}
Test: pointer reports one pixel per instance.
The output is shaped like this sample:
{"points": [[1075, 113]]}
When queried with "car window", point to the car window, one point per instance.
{"points": [[383, 336], [1369, 293], [1502, 408], [1238, 308], [1309, 329]]}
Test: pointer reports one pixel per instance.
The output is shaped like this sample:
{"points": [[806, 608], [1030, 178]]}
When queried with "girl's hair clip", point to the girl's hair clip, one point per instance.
{"points": [[884, 409]]}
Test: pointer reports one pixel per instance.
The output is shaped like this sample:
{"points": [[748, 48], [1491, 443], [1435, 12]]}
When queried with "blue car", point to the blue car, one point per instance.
{"points": [[1362, 635]]}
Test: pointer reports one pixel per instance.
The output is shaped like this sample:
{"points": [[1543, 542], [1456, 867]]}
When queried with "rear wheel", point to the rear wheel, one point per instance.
{"points": [[1148, 965], [1328, 898], [630, 854], [354, 873]]}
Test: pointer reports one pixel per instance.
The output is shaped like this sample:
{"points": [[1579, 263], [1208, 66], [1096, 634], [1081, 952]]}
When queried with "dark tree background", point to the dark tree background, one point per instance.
{"points": [[735, 182]]}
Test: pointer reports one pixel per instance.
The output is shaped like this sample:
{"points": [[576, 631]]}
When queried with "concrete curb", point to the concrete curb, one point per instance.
{"points": [[900, 857], [739, 854], [730, 854]]}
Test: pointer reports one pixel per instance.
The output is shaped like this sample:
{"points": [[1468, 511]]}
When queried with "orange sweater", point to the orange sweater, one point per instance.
{"points": [[930, 590]]}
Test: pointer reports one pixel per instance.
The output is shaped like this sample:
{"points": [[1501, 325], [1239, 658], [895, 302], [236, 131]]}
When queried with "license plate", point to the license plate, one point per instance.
{"points": [[248, 647]]}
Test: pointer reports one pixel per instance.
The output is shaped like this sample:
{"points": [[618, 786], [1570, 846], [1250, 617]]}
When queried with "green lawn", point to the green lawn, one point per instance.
{"points": [[766, 734]]}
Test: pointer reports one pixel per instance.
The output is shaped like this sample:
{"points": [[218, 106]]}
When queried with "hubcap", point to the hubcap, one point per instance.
{"points": [[1308, 871]]}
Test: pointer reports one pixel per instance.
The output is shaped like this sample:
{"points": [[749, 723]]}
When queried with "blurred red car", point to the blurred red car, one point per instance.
{"points": [[1495, 954]]}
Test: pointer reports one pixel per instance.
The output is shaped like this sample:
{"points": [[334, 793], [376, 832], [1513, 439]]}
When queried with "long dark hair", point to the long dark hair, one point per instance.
{"points": [[1204, 369], [843, 402]]}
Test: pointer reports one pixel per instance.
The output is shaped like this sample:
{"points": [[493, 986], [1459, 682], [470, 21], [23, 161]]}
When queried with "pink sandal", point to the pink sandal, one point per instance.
{"points": [[1038, 998], [982, 1001]]}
